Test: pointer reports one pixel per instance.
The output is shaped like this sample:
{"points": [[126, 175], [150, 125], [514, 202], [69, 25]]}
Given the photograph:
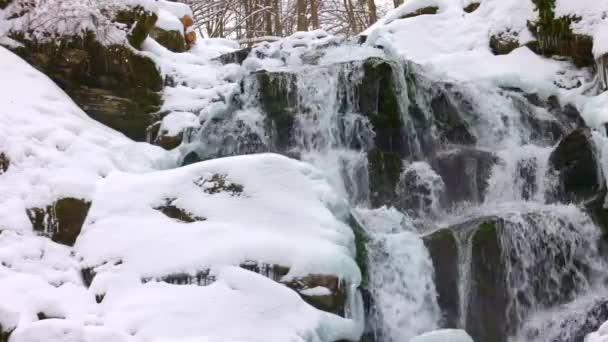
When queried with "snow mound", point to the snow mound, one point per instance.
{"points": [[446, 335], [243, 215]]}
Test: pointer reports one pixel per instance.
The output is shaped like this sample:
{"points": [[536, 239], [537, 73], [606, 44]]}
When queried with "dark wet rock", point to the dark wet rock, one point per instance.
{"points": [[361, 257], [575, 161], [191, 158], [4, 163], [42, 316], [443, 249], [378, 100], [472, 7], [236, 57], [465, 173], [277, 93], [420, 191], [555, 36], [172, 40], [113, 84], [426, 10], [602, 71], [384, 170], [448, 119], [170, 210], [488, 299], [62, 221]]}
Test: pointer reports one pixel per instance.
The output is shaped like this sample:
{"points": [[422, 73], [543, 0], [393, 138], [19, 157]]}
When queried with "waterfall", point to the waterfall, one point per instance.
{"points": [[452, 186]]}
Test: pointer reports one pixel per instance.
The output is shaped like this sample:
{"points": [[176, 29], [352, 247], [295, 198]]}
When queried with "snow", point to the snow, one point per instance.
{"points": [[169, 22], [299, 232], [601, 335], [445, 335], [316, 291], [176, 122]]}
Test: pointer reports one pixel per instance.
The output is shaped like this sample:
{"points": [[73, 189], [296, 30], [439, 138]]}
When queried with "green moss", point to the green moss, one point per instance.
{"points": [[384, 170], [172, 40], [555, 36], [361, 240]]}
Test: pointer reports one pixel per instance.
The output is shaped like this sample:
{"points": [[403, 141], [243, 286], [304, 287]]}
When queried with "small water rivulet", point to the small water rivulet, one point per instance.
{"points": [[461, 192]]}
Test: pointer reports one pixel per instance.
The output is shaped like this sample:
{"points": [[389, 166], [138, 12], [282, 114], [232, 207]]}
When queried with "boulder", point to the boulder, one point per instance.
{"points": [[575, 161], [61, 221], [443, 249], [113, 84], [465, 172]]}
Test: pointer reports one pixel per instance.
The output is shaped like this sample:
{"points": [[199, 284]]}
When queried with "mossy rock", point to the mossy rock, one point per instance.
{"points": [[555, 36], [575, 160], [5, 163], [384, 170], [278, 98], [139, 21], [172, 40], [472, 7], [443, 249], [113, 84], [426, 10], [379, 101], [488, 299], [62, 221]]}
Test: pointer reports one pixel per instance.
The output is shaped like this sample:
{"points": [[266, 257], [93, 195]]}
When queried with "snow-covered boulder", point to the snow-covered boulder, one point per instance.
{"points": [[445, 335], [176, 225]]}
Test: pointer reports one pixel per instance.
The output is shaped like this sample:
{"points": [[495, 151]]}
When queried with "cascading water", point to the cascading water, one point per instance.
{"points": [[473, 242]]}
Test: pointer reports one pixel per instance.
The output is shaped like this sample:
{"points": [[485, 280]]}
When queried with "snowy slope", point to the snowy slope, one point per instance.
{"points": [[55, 149]]}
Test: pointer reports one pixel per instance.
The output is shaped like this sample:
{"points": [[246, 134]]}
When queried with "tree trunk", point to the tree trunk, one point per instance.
{"points": [[373, 11], [314, 13], [302, 22]]}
